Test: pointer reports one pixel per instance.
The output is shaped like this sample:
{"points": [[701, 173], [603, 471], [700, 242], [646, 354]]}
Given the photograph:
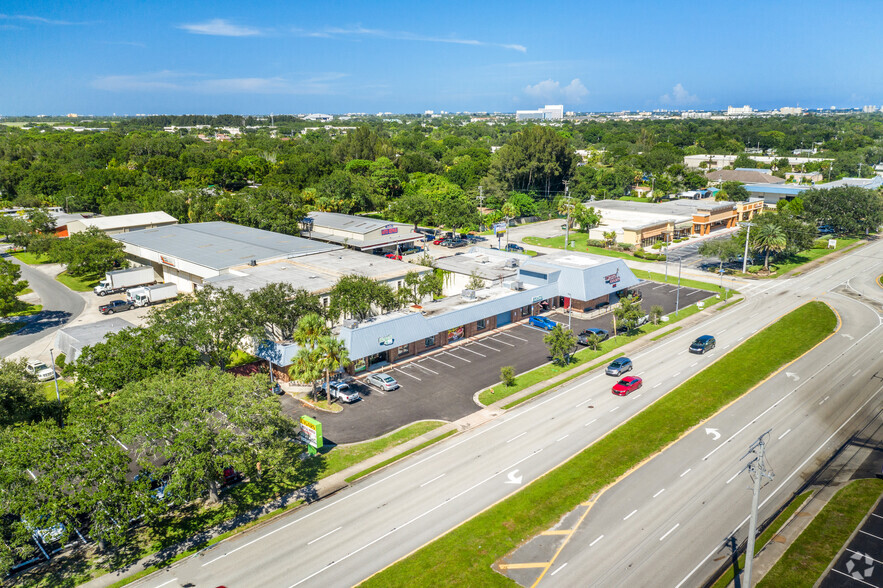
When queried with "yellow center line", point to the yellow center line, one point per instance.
{"points": [[553, 532], [525, 566]]}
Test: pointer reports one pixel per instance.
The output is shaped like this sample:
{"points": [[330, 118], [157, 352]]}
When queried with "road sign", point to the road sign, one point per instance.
{"points": [[311, 433]]}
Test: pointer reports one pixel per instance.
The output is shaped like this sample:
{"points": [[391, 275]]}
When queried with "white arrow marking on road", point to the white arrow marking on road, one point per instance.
{"points": [[848, 336], [713, 432], [793, 376], [513, 479]]}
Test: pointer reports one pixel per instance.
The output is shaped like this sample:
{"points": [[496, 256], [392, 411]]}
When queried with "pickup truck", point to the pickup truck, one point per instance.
{"points": [[116, 306]]}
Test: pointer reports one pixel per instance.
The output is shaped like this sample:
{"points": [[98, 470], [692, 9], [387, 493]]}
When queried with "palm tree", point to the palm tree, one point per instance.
{"points": [[332, 354], [310, 328], [305, 368], [770, 238]]}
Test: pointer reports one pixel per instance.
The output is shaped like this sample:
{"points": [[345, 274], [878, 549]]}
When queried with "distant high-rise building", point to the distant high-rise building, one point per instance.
{"points": [[870, 108], [739, 110], [549, 112], [791, 110]]}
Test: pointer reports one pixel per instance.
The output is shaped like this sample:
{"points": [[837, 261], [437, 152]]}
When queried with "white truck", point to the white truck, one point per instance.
{"points": [[147, 295], [122, 280]]}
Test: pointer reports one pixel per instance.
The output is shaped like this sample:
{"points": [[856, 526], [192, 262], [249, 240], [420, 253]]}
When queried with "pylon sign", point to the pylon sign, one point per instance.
{"points": [[311, 433]]}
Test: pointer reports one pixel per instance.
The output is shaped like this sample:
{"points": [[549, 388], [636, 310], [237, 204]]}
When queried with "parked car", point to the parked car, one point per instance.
{"points": [[439, 240], [393, 256], [619, 366], [116, 306], [40, 370], [583, 338], [627, 385], [342, 392], [542, 322], [277, 389], [454, 243], [382, 381], [703, 344], [513, 248]]}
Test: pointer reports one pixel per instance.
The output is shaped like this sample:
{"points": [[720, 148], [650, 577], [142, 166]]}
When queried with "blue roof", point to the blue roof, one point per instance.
{"points": [[776, 189]]}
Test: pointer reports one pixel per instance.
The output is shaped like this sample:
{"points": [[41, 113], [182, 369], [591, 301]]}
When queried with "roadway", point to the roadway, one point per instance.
{"points": [[342, 540]]}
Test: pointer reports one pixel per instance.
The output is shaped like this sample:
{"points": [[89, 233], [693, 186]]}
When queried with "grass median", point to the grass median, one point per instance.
{"points": [[808, 557], [464, 556]]}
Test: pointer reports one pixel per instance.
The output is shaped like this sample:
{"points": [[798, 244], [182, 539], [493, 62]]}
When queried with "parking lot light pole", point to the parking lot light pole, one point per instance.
{"points": [[747, 240], [678, 295]]}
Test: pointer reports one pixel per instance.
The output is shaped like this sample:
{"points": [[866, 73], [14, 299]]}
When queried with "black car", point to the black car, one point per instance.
{"points": [[513, 248], [583, 338], [115, 306], [703, 344], [454, 243]]}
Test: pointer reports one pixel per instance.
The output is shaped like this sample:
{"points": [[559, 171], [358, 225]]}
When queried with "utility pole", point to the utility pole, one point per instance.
{"points": [[757, 468], [568, 206], [747, 240], [678, 295], [55, 379]]}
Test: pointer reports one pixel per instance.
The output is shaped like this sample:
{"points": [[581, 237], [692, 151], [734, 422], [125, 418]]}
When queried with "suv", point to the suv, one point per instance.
{"points": [[703, 344], [619, 366], [116, 306], [513, 248], [583, 338], [40, 370]]}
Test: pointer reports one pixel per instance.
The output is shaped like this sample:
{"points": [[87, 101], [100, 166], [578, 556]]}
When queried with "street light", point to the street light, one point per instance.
{"points": [[747, 240], [678, 295]]}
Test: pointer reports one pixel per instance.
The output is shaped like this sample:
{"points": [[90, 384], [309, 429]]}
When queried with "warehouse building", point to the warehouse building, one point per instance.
{"points": [[359, 232], [114, 225]]}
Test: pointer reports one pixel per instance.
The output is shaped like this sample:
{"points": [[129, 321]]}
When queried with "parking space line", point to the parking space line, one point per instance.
{"points": [[470, 351], [694, 292], [870, 535], [417, 365], [851, 576], [535, 329], [503, 342], [513, 336], [488, 346], [407, 374], [457, 356], [441, 362]]}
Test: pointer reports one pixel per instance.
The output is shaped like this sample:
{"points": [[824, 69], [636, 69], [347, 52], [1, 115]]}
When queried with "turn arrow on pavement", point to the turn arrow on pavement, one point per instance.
{"points": [[714, 432], [793, 376], [513, 479]]}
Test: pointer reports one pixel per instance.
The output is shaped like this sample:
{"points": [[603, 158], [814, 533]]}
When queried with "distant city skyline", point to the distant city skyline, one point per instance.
{"points": [[225, 57]]}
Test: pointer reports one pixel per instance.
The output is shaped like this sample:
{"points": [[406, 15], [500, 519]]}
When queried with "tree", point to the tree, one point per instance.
{"points": [[509, 211], [561, 343], [432, 284], [20, 400], [412, 208], [628, 313], [743, 161], [332, 354], [593, 341], [733, 191], [726, 250], [656, 313], [89, 253], [610, 238], [507, 375], [305, 368], [10, 287], [129, 356], [188, 428], [535, 159], [769, 239], [585, 216], [847, 209], [475, 282], [213, 321], [277, 307], [357, 296]]}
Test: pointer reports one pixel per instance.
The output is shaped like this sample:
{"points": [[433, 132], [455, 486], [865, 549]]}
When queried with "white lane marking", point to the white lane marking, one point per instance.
{"points": [[470, 351], [669, 532], [596, 540], [431, 481], [822, 401], [628, 516], [739, 339], [873, 514], [658, 493], [676, 375], [694, 364], [417, 365], [562, 438], [658, 385], [457, 356], [559, 569], [687, 471], [590, 422], [488, 346], [417, 518], [516, 437], [734, 476], [682, 352], [441, 362], [783, 434], [399, 370], [581, 402], [857, 372], [167, 583], [870, 535], [854, 578], [721, 331], [614, 408], [786, 480], [325, 535], [513, 336], [636, 396]]}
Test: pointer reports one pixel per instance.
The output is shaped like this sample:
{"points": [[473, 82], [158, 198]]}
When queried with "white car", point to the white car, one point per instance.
{"points": [[382, 381], [40, 370]]}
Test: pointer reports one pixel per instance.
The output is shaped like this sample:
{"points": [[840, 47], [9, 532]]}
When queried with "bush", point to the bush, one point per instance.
{"points": [[60, 361], [754, 269], [626, 247], [507, 375], [596, 243], [658, 245], [820, 244]]}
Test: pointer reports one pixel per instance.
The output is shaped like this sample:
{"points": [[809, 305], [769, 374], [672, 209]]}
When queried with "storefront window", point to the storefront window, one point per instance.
{"points": [[429, 342], [404, 350], [480, 324], [525, 310], [359, 365]]}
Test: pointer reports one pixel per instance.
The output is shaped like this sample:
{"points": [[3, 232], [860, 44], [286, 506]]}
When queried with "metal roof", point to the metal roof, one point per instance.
{"points": [[220, 245], [349, 222], [72, 340], [123, 221], [776, 189]]}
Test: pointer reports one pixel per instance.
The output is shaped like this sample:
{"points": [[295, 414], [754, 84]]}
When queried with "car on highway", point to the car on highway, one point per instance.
{"points": [[583, 338], [40, 370], [382, 381], [703, 344], [542, 322], [619, 366], [627, 385], [116, 306], [342, 392]]}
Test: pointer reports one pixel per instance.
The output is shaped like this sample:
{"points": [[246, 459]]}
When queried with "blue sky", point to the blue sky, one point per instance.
{"points": [[93, 57]]}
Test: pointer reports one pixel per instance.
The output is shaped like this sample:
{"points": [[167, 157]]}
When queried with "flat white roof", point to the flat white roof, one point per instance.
{"points": [[122, 221]]}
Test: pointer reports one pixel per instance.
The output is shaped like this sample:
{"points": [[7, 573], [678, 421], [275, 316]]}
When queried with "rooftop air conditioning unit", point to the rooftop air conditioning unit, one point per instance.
{"points": [[508, 284], [468, 294], [515, 284], [481, 258], [512, 262], [350, 323]]}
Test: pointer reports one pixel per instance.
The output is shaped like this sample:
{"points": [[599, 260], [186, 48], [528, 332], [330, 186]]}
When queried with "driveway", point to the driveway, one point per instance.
{"points": [[60, 306]]}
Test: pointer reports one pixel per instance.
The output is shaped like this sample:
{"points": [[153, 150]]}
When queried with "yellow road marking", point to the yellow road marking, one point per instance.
{"points": [[568, 532], [524, 566]]}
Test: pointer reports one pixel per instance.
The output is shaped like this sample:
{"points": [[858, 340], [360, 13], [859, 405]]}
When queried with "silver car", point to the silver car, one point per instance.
{"points": [[382, 381], [40, 370]]}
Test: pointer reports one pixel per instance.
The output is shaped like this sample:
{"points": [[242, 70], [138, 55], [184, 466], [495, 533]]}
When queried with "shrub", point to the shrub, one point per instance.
{"points": [[596, 243], [60, 361], [626, 247], [640, 253], [820, 244], [507, 375], [658, 245], [753, 269]]}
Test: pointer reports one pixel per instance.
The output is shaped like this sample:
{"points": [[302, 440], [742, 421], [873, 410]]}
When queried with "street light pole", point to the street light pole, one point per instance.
{"points": [[747, 240], [678, 295], [568, 206]]}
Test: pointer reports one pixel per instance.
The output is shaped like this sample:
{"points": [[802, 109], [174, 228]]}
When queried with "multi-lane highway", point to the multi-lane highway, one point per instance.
{"points": [[672, 538]]}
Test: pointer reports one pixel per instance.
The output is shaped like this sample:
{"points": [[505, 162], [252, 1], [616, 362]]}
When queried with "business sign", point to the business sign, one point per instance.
{"points": [[389, 230], [311, 433], [386, 340], [456, 334], [167, 260], [612, 279], [537, 298], [499, 228]]}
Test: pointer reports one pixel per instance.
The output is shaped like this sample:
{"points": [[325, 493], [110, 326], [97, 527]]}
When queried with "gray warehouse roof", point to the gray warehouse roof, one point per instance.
{"points": [[72, 340], [349, 222], [220, 245]]}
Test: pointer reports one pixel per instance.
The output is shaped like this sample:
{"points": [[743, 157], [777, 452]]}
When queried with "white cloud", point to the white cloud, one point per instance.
{"points": [[38, 19], [171, 81], [220, 28], [679, 96], [550, 91], [359, 31]]}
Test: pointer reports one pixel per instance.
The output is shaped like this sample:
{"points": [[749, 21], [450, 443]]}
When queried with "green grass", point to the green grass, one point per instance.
{"points": [[340, 458], [685, 282], [530, 252], [808, 557], [402, 455], [560, 382], [48, 389], [764, 537], [729, 304], [463, 557], [30, 258], [25, 309], [665, 334], [798, 259], [580, 240], [83, 284]]}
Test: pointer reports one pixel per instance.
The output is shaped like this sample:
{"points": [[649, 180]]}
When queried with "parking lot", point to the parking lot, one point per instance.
{"points": [[860, 563], [441, 384]]}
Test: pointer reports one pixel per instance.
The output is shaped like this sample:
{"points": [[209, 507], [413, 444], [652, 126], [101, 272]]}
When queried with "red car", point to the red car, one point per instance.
{"points": [[393, 256], [439, 240], [627, 385]]}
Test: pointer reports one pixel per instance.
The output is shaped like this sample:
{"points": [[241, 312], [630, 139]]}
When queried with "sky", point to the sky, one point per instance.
{"points": [[159, 57]]}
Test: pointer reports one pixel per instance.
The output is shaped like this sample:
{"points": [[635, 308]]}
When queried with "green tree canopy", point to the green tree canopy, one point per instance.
{"points": [[847, 209], [561, 343], [89, 253]]}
